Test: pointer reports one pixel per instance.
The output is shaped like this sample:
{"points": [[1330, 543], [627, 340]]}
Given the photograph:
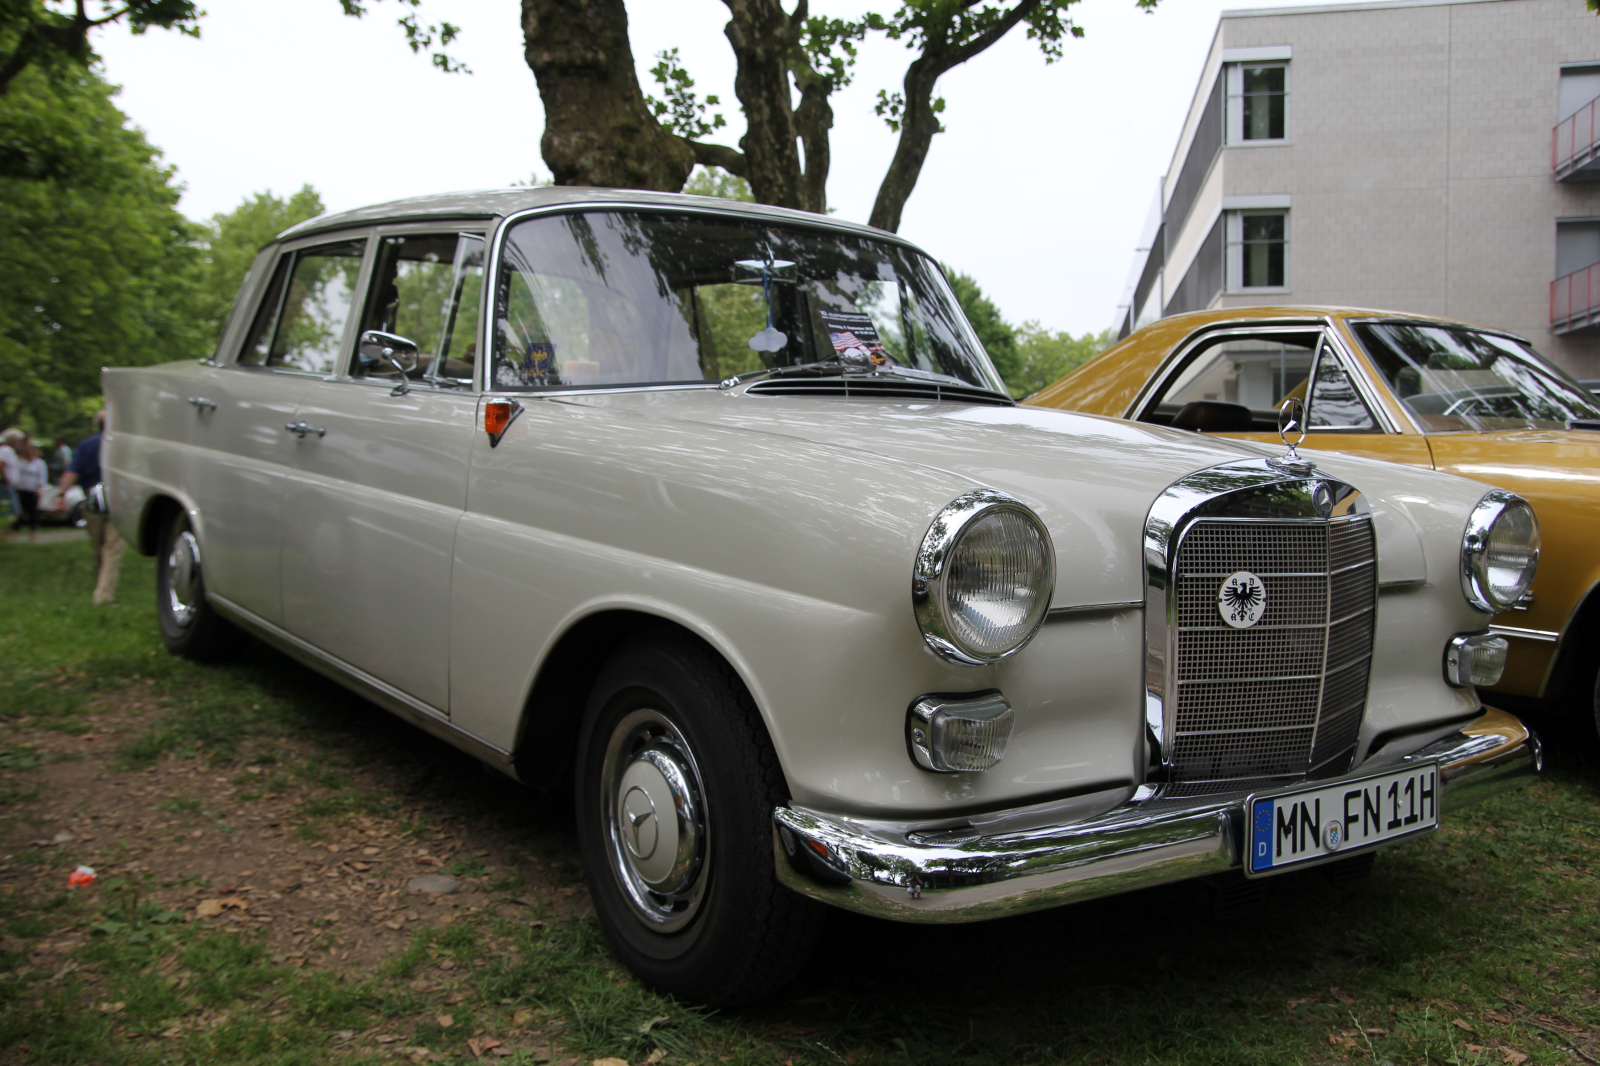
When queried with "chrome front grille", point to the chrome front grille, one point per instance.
{"points": [[1283, 698]]}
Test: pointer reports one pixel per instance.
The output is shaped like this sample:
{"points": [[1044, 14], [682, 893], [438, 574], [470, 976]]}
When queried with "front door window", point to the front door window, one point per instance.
{"points": [[1235, 383], [427, 288]]}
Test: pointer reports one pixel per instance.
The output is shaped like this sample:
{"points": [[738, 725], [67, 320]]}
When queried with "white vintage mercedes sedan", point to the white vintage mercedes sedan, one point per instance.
{"points": [[718, 515]]}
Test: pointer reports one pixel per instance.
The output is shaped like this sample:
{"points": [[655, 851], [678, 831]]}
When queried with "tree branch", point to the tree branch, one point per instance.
{"points": [[718, 155], [920, 121], [961, 53]]}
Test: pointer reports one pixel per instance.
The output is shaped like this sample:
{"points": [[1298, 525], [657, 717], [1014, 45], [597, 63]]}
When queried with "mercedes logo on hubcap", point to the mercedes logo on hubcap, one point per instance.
{"points": [[640, 831]]}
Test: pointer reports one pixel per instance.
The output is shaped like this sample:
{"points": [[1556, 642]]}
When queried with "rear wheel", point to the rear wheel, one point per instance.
{"points": [[676, 783], [190, 626]]}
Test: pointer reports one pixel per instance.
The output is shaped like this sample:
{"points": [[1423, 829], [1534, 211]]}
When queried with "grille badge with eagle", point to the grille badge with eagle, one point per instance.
{"points": [[1242, 600]]}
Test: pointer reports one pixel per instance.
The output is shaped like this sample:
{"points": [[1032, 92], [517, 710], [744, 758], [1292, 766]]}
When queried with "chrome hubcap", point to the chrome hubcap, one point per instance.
{"points": [[655, 819], [183, 578]]}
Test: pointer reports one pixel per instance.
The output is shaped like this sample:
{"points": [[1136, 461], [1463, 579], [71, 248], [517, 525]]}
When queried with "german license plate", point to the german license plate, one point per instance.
{"points": [[1309, 824]]}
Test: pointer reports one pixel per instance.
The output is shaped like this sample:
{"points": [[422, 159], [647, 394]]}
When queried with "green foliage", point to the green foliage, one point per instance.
{"points": [[1030, 357], [232, 240], [35, 33], [419, 37], [998, 336], [707, 181], [682, 112], [1044, 356], [97, 267]]}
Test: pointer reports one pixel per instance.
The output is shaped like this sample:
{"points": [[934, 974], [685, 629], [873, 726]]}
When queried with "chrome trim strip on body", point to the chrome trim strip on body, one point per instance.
{"points": [[955, 876], [1546, 635], [1094, 608], [1251, 485], [1402, 584], [385, 695]]}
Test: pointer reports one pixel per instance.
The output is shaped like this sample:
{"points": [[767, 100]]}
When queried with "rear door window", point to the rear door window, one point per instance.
{"points": [[303, 317]]}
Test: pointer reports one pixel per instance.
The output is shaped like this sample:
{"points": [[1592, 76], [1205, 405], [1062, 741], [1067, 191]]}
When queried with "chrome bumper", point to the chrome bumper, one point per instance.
{"points": [[1146, 841]]}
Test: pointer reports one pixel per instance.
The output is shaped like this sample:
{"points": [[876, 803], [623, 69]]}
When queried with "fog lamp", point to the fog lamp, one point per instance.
{"points": [[951, 734], [1475, 659]]}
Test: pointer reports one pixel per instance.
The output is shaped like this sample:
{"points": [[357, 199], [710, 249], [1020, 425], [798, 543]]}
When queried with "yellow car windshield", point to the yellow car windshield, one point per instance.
{"points": [[1452, 378]]}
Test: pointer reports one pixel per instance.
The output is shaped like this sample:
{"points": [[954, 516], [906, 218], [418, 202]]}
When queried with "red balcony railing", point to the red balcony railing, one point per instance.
{"points": [[1573, 143], [1575, 300]]}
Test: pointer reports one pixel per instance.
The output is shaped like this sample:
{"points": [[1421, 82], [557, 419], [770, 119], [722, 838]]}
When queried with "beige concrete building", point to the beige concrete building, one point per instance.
{"points": [[1414, 155]]}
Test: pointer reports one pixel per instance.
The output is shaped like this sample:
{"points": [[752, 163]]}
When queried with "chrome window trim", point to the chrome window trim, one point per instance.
{"points": [[1474, 543], [1198, 495], [497, 240], [358, 298], [1267, 326], [475, 227], [1207, 334], [929, 572], [1353, 370]]}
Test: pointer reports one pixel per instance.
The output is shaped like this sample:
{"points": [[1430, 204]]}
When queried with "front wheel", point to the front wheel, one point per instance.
{"points": [[676, 783], [190, 626]]}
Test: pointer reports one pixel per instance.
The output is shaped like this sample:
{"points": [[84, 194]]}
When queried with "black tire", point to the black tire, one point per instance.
{"points": [[190, 626], [729, 933]]}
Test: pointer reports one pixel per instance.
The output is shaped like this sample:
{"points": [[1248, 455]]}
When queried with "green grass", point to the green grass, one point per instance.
{"points": [[1486, 935]]}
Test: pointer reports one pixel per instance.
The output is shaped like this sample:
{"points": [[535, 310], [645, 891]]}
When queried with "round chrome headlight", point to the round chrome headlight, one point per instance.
{"points": [[1499, 551], [983, 579]]}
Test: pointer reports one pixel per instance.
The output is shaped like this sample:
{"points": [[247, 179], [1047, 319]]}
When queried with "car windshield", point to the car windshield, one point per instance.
{"points": [[613, 298], [1454, 378]]}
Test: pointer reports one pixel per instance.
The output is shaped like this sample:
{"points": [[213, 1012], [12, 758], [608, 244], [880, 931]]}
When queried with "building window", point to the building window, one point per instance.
{"points": [[1577, 244], [1258, 250], [1258, 102]]}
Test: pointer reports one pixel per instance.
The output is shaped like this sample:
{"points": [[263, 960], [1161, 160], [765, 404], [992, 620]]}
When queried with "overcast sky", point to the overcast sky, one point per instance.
{"points": [[1038, 189]]}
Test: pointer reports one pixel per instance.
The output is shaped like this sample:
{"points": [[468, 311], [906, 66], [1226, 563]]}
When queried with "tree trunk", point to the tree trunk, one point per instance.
{"points": [[762, 36], [918, 124], [598, 129], [814, 119]]}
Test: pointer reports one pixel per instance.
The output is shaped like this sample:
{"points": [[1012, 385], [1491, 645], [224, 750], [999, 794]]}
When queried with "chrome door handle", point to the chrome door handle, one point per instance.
{"points": [[300, 429], [202, 404]]}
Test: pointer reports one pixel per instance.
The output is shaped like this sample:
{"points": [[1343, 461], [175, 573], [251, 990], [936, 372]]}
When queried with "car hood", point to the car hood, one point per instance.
{"points": [[1091, 479]]}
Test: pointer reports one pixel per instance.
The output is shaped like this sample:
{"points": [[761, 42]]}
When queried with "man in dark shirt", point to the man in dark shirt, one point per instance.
{"points": [[84, 471]]}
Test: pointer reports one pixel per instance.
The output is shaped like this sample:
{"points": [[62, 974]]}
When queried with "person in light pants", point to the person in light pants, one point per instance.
{"points": [[84, 471]]}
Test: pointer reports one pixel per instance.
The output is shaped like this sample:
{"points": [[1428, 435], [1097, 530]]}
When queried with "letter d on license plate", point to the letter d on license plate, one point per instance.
{"points": [[1315, 823]]}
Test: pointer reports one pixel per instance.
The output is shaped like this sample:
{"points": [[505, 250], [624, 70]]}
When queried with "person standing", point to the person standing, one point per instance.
{"points": [[10, 440], [59, 457], [84, 471], [32, 475]]}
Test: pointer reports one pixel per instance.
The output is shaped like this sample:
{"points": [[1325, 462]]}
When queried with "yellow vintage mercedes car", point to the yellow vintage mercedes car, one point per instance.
{"points": [[1463, 399]]}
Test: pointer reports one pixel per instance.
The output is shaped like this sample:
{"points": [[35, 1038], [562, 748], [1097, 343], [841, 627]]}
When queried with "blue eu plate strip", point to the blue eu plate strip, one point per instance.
{"points": [[1261, 835]]}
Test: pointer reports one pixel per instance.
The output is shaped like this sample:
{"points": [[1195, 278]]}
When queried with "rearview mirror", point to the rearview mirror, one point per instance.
{"points": [[377, 347], [757, 271]]}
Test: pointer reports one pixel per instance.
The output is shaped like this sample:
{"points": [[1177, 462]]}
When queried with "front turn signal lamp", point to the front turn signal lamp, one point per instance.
{"points": [[953, 734], [1499, 551], [498, 414], [1475, 659]]}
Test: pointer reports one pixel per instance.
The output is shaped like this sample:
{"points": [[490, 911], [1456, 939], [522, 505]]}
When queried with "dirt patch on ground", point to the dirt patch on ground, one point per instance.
{"points": [[335, 851]]}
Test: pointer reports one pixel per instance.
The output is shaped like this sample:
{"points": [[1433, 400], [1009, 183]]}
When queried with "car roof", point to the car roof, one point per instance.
{"points": [[1193, 319], [497, 203]]}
